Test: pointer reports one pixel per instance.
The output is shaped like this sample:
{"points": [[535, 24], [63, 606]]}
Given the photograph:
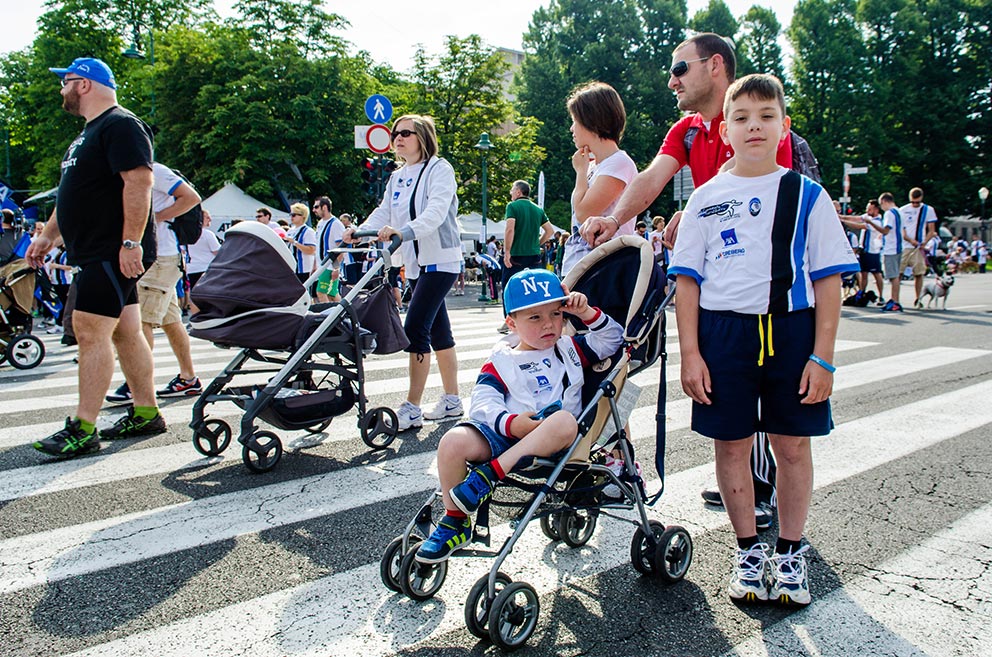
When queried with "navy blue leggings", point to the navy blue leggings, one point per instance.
{"points": [[427, 325]]}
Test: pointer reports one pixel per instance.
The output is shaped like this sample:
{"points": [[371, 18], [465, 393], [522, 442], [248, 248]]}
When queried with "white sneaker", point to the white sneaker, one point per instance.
{"points": [[748, 582], [448, 406], [616, 466], [787, 580], [409, 416]]}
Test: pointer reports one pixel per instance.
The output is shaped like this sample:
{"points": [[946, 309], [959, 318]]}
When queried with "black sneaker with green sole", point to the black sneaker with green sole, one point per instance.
{"points": [[69, 442], [131, 426]]}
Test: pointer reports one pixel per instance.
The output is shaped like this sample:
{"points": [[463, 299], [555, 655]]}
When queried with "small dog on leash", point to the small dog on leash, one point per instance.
{"points": [[939, 288]]}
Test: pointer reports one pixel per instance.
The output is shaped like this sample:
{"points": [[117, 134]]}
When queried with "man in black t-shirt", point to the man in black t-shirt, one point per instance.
{"points": [[103, 215]]}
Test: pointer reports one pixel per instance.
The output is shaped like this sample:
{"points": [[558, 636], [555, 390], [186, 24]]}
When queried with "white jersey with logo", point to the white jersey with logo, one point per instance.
{"points": [[911, 222], [749, 255], [329, 232], [871, 238], [304, 235], [165, 183], [892, 241]]}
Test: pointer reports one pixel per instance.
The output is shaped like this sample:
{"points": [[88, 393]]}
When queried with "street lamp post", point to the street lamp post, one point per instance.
{"points": [[134, 52], [983, 195], [484, 145]]}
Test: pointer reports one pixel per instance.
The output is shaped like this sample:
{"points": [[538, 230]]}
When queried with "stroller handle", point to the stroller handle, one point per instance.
{"points": [[394, 240]]}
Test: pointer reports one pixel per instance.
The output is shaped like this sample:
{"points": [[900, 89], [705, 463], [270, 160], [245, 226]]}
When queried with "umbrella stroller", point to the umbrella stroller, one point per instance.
{"points": [[251, 299], [17, 346], [570, 491]]}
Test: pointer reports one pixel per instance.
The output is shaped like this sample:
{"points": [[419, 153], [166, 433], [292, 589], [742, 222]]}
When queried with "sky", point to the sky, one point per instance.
{"points": [[392, 29]]}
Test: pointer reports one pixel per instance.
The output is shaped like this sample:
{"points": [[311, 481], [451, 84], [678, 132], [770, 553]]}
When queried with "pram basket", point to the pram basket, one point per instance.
{"points": [[250, 298]]}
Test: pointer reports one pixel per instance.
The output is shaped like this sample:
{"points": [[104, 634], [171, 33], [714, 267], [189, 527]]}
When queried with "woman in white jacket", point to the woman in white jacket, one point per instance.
{"points": [[420, 205]]}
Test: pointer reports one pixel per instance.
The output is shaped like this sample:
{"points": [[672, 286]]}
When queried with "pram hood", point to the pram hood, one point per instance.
{"points": [[250, 296], [17, 281], [622, 278]]}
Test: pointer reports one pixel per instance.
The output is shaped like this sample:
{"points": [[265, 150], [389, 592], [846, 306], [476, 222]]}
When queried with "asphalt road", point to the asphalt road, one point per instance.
{"points": [[148, 548]]}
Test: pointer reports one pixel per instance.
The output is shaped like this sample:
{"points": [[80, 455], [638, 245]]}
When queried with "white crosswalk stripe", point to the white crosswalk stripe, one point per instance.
{"points": [[331, 480]]}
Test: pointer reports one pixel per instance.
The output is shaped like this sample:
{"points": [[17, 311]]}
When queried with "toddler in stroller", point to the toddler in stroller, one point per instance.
{"points": [[251, 298], [17, 346], [582, 378]]}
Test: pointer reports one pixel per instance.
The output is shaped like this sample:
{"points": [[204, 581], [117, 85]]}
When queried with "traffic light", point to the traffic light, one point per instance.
{"points": [[369, 177], [375, 173]]}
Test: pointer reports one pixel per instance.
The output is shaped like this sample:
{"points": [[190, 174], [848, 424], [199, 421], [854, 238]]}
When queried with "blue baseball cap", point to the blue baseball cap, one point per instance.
{"points": [[532, 287], [89, 68]]}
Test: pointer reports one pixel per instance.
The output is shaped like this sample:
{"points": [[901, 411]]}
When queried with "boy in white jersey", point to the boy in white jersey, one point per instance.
{"points": [[760, 254], [525, 401]]}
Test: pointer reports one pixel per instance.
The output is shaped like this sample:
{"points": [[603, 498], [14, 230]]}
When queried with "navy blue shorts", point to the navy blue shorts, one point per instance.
{"points": [[870, 262], [747, 397], [427, 325]]}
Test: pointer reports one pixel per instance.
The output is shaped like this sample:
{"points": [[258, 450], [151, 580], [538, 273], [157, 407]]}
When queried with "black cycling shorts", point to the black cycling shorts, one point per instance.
{"points": [[103, 290]]}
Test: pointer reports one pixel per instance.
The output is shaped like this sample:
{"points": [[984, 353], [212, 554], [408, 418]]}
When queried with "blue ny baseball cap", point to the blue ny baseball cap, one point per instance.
{"points": [[530, 288], [89, 68]]}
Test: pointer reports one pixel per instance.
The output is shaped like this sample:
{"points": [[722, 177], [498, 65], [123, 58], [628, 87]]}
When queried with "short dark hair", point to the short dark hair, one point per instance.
{"points": [[874, 203], [597, 107], [709, 44], [323, 202], [264, 211], [886, 197], [915, 194], [760, 86], [8, 216], [522, 186]]}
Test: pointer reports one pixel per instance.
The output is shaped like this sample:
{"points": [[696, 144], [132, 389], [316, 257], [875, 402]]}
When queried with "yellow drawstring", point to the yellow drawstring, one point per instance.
{"points": [[761, 336]]}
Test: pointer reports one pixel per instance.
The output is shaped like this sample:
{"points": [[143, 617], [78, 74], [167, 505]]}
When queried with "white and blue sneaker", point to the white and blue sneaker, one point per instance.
{"points": [[448, 406], [409, 416], [748, 583], [788, 583]]}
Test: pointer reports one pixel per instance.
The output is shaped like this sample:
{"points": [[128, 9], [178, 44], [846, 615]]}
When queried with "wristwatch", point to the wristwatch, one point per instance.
{"points": [[130, 244]]}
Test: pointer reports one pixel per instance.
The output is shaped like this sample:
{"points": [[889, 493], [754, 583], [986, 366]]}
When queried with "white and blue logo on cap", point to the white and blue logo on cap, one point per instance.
{"points": [[89, 68], [531, 287]]}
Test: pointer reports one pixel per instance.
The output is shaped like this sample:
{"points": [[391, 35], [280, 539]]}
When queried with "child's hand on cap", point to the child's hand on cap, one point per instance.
{"points": [[577, 304]]}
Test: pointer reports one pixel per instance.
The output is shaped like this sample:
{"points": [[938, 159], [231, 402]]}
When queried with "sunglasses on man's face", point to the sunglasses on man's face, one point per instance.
{"points": [[681, 68], [403, 133], [68, 81]]}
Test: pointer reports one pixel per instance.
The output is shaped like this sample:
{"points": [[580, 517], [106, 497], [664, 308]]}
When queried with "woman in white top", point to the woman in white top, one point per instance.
{"points": [[598, 121], [421, 205]]}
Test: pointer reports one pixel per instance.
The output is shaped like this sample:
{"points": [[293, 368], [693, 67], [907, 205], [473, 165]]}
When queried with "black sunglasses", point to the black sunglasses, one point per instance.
{"points": [[681, 68], [68, 81], [403, 133]]}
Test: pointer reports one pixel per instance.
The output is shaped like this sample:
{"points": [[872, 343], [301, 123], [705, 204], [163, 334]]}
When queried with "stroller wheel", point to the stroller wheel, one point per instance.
{"points": [[513, 617], [25, 351], [478, 603], [642, 548], [318, 428], [392, 558], [212, 437], [262, 451], [575, 528], [421, 581], [379, 427], [549, 525], [673, 554]]}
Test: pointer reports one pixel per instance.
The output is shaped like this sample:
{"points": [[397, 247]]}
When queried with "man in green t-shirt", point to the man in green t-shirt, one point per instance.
{"points": [[527, 228]]}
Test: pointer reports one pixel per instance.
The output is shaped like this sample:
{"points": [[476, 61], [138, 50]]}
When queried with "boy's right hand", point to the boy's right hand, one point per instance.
{"points": [[523, 424], [696, 378]]}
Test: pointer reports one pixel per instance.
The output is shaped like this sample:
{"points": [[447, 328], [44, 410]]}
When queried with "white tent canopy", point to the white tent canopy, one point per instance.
{"points": [[472, 227], [231, 202]]}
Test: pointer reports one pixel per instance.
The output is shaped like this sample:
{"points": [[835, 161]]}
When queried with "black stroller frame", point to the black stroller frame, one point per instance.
{"points": [[17, 346], [261, 449], [571, 499]]}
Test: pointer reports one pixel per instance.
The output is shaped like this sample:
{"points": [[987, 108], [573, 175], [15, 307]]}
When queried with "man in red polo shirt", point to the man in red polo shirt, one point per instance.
{"points": [[703, 67]]}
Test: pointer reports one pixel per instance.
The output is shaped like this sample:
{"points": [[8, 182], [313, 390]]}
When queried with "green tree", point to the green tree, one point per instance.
{"points": [[757, 46], [717, 18], [625, 43], [462, 88]]}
